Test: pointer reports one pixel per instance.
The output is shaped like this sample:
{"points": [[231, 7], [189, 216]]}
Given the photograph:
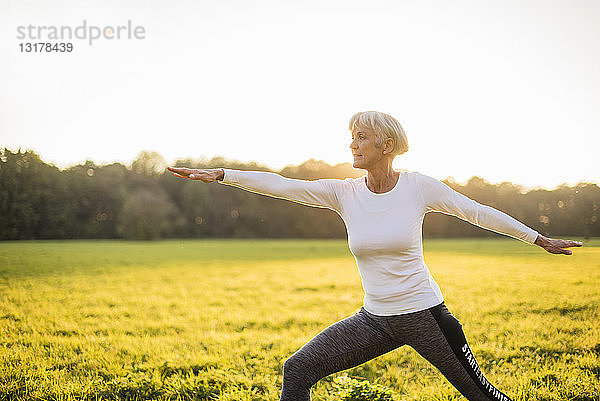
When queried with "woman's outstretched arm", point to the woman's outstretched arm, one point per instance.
{"points": [[439, 197], [319, 193]]}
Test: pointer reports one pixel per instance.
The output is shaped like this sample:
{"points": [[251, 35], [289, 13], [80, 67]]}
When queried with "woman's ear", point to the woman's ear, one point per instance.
{"points": [[388, 146]]}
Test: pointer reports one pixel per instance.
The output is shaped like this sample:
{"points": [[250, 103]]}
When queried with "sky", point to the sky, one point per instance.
{"points": [[505, 90]]}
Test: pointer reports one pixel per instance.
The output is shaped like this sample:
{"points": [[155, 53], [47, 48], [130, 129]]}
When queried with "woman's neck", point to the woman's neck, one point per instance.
{"points": [[382, 179]]}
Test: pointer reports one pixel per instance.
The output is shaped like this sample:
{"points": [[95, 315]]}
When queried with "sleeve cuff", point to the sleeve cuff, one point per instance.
{"points": [[229, 177], [533, 237]]}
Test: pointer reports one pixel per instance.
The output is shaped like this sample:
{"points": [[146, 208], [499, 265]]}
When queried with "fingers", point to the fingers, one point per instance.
{"points": [[567, 243], [557, 246], [565, 251], [180, 170], [206, 175], [558, 251], [190, 176], [190, 173]]}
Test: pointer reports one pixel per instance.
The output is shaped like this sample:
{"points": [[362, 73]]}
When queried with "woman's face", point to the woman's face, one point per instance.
{"points": [[364, 151]]}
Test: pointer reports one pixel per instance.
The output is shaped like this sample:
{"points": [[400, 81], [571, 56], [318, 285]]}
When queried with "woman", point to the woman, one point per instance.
{"points": [[383, 212]]}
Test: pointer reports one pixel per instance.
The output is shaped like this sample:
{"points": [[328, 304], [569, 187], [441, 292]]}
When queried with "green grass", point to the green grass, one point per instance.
{"points": [[217, 319]]}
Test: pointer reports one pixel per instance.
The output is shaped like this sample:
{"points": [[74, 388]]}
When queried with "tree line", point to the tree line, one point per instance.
{"points": [[143, 201]]}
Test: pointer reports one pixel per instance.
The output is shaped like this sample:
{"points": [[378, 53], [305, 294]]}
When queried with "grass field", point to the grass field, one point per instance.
{"points": [[216, 319]]}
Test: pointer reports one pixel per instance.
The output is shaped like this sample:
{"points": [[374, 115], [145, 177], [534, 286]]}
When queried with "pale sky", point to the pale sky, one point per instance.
{"points": [[507, 90]]}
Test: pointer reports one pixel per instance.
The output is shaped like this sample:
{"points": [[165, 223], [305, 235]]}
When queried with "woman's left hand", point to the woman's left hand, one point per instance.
{"points": [[556, 245]]}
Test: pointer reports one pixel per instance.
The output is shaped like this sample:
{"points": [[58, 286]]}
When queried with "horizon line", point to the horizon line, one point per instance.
{"points": [[65, 166]]}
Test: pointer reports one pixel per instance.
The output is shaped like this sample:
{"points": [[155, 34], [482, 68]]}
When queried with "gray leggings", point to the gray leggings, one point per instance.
{"points": [[434, 333]]}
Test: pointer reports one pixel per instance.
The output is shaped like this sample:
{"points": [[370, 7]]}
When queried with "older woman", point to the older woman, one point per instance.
{"points": [[383, 212]]}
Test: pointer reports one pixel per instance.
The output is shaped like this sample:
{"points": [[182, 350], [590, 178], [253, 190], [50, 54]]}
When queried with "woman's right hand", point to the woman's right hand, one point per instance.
{"points": [[204, 175]]}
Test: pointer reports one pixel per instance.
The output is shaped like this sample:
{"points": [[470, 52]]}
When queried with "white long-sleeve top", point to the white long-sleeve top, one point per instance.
{"points": [[385, 230]]}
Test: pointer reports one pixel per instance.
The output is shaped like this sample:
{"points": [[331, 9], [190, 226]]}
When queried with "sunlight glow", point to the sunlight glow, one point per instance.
{"points": [[509, 91]]}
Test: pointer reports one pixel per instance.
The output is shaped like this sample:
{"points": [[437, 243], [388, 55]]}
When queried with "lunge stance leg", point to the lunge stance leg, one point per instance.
{"points": [[343, 345], [442, 342]]}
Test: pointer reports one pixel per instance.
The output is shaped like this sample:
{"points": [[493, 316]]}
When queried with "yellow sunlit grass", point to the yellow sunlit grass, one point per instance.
{"points": [[199, 318]]}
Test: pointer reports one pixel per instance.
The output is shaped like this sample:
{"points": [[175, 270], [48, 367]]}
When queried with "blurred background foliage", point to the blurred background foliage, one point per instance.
{"points": [[143, 201]]}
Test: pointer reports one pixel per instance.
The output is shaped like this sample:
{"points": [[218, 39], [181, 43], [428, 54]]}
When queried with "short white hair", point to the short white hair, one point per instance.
{"points": [[384, 126]]}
